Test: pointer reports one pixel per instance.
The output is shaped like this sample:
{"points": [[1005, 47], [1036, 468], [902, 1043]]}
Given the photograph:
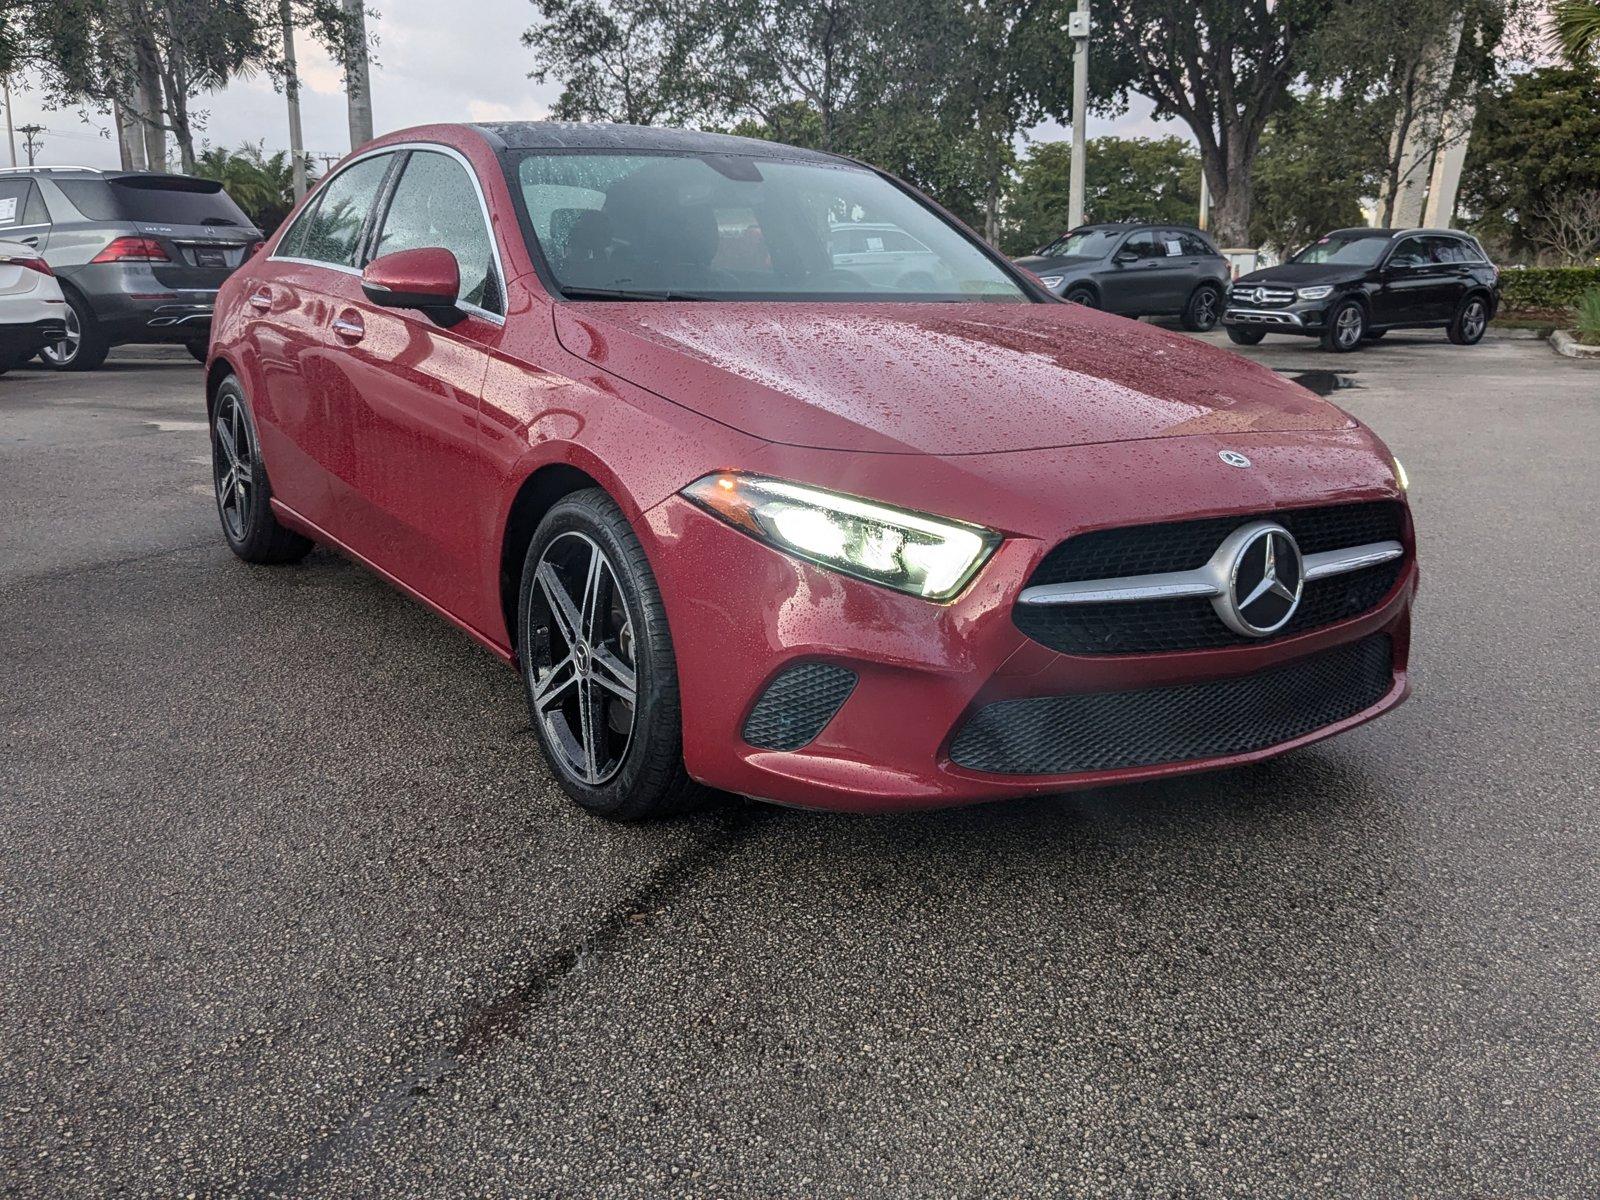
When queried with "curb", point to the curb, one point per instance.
{"points": [[1565, 344]]}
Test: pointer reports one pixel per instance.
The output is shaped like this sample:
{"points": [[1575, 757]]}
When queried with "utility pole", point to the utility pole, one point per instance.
{"points": [[357, 86], [31, 142], [291, 90], [1205, 201], [1078, 31], [11, 134]]}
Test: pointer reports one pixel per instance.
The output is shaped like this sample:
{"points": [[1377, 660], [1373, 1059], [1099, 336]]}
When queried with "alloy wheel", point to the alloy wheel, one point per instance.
{"points": [[1348, 327], [63, 352], [233, 465], [1474, 320], [1205, 309], [584, 684]]}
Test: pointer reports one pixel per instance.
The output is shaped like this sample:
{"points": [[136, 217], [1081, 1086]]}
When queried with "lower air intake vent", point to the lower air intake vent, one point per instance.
{"points": [[797, 704], [1105, 731]]}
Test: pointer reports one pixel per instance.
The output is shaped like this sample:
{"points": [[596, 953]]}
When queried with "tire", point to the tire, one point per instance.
{"points": [[629, 767], [86, 346], [244, 504], [12, 360], [1245, 337], [1347, 326], [199, 351], [1081, 295], [1467, 327], [1204, 309]]}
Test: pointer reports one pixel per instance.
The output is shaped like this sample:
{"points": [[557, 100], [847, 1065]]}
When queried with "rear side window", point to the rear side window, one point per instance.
{"points": [[156, 200], [436, 204], [331, 231], [14, 202], [1194, 245]]}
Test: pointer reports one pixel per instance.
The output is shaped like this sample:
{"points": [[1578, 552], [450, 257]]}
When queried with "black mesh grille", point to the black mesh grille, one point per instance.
{"points": [[1158, 626], [1061, 735], [797, 704]]}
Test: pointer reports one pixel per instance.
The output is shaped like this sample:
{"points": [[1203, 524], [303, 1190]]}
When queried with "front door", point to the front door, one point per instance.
{"points": [[1141, 276], [1414, 289]]}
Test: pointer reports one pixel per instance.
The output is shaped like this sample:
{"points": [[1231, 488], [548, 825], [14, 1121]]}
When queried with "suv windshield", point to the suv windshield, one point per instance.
{"points": [[732, 227], [1082, 243], [1351, 249]]}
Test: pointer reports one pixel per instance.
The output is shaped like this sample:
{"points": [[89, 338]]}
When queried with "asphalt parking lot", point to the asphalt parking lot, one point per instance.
{"points": [[288, 905]]}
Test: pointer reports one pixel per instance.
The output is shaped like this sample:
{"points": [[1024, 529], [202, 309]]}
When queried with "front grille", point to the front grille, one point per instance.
{"points": [[1251, 294], [1106, 731], [1160, 626], [797, 704]]}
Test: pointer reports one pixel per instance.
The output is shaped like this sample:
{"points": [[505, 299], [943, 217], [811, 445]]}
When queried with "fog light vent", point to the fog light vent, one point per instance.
{"points": [[797, 704]]}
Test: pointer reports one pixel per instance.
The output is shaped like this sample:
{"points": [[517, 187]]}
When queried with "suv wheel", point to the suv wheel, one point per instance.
{"points": [[1347, 326], [1081, 295], [1200, 315], [1470, 322], [85, 347], [597, 664]]}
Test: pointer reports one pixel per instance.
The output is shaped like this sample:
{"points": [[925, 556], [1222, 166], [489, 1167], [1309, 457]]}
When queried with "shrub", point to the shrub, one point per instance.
{"points": [[1547, 289], [1586, 317]]}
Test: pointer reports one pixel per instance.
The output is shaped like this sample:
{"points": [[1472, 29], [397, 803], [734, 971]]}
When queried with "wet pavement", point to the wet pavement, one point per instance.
{"points": [[288, 905]]}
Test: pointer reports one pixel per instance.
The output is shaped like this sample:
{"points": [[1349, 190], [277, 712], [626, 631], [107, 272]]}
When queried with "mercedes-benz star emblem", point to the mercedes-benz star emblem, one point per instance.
{"points": [[1265, 580], [1233, 458]]}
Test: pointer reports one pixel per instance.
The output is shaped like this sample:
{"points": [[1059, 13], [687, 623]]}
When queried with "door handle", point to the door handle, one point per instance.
{"points": [[31, 240], [262, 300], [349, 327]]}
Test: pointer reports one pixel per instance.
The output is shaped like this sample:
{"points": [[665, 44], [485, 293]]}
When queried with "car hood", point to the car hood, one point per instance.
{"points": [[1303, 274], [940, 379], [1039, 262]]}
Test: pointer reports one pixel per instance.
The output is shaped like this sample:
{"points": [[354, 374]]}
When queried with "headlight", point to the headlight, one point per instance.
{"points": [[1314, 293], [1053, 282], [1401, 477], [926, 556]]}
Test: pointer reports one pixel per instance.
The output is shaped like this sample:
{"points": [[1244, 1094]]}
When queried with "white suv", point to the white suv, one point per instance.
{"points": [[32, 309]]}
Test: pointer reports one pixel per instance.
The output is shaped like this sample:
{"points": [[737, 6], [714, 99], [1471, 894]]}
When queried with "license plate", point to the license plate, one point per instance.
{"points": [[210, 258]]}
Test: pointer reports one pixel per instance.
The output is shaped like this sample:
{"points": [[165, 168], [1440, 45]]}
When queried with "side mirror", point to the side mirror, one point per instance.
{"points": [[1124, 257], [427, 280]]}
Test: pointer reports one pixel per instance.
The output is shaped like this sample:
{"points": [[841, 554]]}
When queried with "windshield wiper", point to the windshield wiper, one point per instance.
{"points": [[580, 293]]}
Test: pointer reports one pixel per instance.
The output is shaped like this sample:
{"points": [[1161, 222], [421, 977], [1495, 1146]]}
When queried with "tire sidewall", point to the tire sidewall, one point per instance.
{"points": [[1191, 311], [657, 723], [1458, 333], [261, 495], [1081, 296], [1331, 338], [91, 349]]}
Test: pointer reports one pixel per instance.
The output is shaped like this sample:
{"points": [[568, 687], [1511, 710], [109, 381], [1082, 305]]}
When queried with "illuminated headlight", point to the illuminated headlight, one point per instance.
{"points": [[1401, 477], [1315, 293], [1053, 282], [926, 556]]}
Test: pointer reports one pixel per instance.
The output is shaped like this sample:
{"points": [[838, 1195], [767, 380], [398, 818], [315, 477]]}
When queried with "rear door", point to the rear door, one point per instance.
{"points": [[1454, 261], [420, 490], [23, 217], [1147, 283]]}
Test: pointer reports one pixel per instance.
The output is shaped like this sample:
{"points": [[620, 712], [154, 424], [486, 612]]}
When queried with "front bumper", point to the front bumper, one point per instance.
{"points": [[744, 614], [1308, 318]]}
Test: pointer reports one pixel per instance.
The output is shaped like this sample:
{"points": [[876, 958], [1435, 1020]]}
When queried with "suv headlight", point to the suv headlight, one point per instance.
{"points": [[1053, 282], [1315, 293], [932, 557]]}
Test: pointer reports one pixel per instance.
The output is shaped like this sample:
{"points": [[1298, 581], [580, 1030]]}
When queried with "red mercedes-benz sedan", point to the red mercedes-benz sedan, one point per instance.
{"points": [[769, 475]]}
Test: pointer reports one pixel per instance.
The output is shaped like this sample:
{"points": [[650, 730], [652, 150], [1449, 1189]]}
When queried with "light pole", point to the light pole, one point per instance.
{"points": [[11, 134], [1078, 31]]}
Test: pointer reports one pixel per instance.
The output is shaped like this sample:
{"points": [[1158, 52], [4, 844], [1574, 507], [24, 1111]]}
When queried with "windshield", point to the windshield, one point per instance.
{"points": [[1082, 243], [732, 227], [1350, 249]]}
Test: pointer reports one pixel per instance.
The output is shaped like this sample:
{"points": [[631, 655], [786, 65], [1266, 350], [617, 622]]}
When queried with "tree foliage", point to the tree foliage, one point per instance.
{"points": [[262, 184], [1318, 158]]}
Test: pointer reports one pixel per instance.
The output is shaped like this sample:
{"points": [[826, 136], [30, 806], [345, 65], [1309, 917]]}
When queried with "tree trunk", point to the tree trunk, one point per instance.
{"points": [[147, 105], [291, 91], [130, 138], [1232, 190], [357, 84]]}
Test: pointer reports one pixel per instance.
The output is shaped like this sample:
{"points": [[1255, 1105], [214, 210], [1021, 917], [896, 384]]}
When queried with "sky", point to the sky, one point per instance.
{"points": [[432, 64]]}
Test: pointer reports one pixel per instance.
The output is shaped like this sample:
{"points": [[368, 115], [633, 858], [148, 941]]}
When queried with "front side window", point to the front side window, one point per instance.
{"points": [[1411, 252], [1355, 250], [436, 205], [331, 231], [1143, 245], [732, 227]]}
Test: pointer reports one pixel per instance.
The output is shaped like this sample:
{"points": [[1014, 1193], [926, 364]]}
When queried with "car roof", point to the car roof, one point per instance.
{"points": [[1366, 231], [600, 135], [1119, 226], [99, 173]]}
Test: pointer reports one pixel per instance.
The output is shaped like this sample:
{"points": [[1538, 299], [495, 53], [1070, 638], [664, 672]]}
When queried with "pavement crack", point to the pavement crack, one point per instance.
{"points": [[501, 1018]]}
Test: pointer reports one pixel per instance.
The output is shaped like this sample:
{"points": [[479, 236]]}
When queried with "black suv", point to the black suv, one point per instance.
{"points": [[1136, 271], [1355, 285], [140, 257]]}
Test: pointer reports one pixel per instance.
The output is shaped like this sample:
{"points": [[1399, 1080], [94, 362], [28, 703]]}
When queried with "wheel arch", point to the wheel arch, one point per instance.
{"points": [[219, 370], [1087, 285]]}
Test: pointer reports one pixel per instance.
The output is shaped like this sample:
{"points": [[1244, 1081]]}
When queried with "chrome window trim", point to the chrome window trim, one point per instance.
{"points": [[396, 148], [1209, 581]]}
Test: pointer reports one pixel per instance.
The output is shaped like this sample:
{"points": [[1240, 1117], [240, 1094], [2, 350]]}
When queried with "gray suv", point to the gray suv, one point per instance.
{"points": [[1137, 271], [139, 256]]}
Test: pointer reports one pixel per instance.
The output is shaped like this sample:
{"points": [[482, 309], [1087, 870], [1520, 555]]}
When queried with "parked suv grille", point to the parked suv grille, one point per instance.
{"points": [[1105, 731], [1160, 626], [1260, 294]]}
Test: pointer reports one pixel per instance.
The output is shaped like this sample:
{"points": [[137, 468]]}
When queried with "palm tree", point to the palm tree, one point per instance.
{"points": [[261, 184], [1577, 31]]}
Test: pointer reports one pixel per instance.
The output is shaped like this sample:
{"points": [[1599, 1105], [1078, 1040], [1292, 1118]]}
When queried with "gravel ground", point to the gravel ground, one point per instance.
{"points": [[288, 905]]}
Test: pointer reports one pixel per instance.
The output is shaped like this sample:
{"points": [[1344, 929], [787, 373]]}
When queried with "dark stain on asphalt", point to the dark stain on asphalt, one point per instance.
{"points": [[1324, 383], [502, 1018]]}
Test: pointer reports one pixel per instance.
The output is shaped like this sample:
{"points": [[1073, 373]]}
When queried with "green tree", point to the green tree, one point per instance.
{"points": [[261, 184], [1125, 179], [1535, 142], [1318, 158], [1577, 31], [619, 60]]}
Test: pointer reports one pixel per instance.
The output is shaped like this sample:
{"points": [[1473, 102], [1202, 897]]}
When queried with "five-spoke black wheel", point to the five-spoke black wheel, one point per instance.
{"points": [[597, 663], [1081, 295], [1204, 309], [242, 490]]}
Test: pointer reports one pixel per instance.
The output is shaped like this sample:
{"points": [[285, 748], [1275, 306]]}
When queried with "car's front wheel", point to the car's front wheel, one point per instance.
{"points": [[1467, 327], [244, 495], [598, 666], [1204, 309], [1081, 295], [1245, 337], [85, 347], [1347, 326]]}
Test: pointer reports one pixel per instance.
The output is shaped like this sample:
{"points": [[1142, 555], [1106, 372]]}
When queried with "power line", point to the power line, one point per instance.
{"points": [[31, 141]]}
